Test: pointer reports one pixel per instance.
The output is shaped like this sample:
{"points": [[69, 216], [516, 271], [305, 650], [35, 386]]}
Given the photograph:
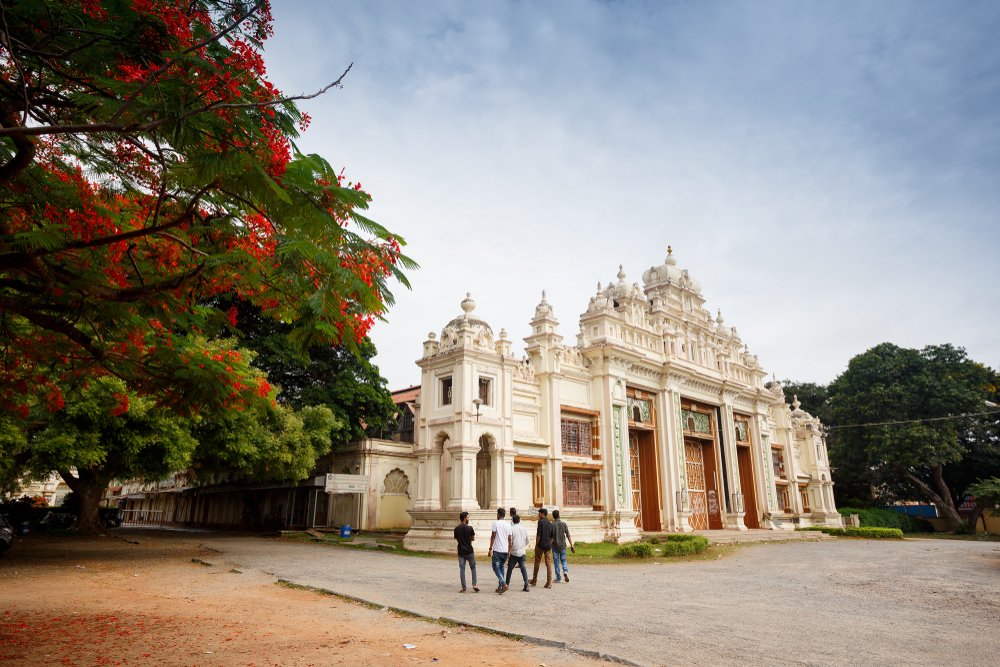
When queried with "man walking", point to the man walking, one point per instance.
{"points": [[543, 547], [499, 548], [559, 543], [464, 535], [518, 549]]}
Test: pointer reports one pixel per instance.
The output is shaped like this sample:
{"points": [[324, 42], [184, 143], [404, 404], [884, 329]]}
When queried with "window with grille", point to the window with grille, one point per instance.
{"points": [[804, 495], [446, 391], [784, 499], [577, 437], [578, 490], [778, 461], [484, 391]]}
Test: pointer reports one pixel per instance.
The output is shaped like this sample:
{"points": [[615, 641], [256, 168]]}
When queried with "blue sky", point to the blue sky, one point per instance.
{"points": [[829, 172]]}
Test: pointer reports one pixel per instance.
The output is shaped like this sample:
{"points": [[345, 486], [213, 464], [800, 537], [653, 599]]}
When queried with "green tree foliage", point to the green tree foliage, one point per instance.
{"points": [[147, 165], [813, 397], [926, 389], [339, 378], [987, 494], [106, 432]]}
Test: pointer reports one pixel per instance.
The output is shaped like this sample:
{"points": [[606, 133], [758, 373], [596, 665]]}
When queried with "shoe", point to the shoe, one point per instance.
{"points": [[475, 589], [532, 582], [566, 578], [547, 586], [504, 589], [526, 589], [462, 591]]}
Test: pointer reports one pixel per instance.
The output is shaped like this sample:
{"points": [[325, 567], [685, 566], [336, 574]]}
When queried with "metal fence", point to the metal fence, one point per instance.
{"points": [[142, 518]]}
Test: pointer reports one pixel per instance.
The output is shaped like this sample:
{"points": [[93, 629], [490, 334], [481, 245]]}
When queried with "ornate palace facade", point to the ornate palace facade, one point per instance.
{"points": [[657, 418]]}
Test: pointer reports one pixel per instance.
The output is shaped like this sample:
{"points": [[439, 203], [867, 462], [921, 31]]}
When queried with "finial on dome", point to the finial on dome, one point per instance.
{"points": [[795, 402], [468, 305], [543, 296], [503, 334], [598, 285], [671, 260], [718, 318], [621, 273]]}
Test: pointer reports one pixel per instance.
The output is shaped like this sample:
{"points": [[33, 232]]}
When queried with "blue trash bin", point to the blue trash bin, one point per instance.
{"points": [[345, 530]]}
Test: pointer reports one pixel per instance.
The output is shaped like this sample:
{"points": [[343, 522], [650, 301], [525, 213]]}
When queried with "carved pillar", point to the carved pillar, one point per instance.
{"points": [[736, 509], [681, 499], [428, 480], [462, 486]]}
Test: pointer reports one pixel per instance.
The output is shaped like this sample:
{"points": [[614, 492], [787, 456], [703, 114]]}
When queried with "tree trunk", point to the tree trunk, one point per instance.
{"points": [[89, 488], [943, 502]]}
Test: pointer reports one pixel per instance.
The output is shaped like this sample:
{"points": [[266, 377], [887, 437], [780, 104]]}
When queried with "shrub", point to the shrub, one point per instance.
{"points": [[883, 518], [684, 545], [874, 532], [653, 540], [635, 550]]}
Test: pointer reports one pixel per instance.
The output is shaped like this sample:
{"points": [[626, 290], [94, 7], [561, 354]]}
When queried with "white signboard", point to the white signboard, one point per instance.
{"points": [[346, 483]]}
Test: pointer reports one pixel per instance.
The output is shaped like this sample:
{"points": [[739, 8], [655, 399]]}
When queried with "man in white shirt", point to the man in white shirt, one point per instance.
{"points": [[518, 550], [499, 548]]}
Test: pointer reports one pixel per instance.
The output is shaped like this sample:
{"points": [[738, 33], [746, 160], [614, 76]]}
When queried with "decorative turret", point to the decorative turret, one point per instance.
{"points": [[544, 334]]}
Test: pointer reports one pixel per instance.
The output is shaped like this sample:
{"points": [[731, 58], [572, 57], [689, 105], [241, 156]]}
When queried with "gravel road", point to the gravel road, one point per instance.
{"points": [[912, 602]]}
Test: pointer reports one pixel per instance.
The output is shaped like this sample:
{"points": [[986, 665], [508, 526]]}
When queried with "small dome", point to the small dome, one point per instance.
{"points": [[468, 305]]}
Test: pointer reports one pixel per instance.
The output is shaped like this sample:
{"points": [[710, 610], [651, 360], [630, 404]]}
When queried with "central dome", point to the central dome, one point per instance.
{"points": [[669, 273]]}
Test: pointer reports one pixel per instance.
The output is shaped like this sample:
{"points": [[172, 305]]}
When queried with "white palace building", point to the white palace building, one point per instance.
{"points": [[656, 419]]}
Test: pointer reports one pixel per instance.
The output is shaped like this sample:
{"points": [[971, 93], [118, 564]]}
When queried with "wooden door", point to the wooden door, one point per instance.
{"points": [[636, 477], [650, 482], [712, 493], [745, 460], [695, 466]]}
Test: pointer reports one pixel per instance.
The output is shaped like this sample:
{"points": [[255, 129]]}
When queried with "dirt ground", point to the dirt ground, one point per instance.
{"points": [[105, 601]]}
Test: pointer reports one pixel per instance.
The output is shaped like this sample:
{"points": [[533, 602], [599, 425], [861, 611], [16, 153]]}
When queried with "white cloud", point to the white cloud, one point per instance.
{"points": [[828, 172]]}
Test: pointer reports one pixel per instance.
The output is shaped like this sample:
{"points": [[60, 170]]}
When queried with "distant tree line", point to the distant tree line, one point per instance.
{"points": [[906, 424]]}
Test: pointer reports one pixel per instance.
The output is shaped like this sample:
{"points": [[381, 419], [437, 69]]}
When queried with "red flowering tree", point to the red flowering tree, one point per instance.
{"points": [[147, 166]]}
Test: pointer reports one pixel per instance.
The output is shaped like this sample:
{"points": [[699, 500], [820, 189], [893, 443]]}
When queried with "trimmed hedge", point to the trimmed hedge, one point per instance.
{"points": [[875, 532], [882, 518], [823, 529], [865, 531], [635, 550]]}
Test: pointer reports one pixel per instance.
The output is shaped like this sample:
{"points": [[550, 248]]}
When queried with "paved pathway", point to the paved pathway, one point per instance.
{"points": [[914, 602]]}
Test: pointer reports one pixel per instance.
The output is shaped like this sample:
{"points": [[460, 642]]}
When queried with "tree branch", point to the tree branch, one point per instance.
{"points": [[133, 128]]}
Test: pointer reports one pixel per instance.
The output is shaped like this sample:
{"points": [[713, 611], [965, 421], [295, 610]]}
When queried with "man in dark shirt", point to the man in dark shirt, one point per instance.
{"points": [[464, 535], [543, 547]]}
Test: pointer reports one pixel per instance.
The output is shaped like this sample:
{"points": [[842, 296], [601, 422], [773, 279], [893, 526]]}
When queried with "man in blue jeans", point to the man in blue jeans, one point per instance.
{"points": [[464, 535], [559, 543], [500, 548]]}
